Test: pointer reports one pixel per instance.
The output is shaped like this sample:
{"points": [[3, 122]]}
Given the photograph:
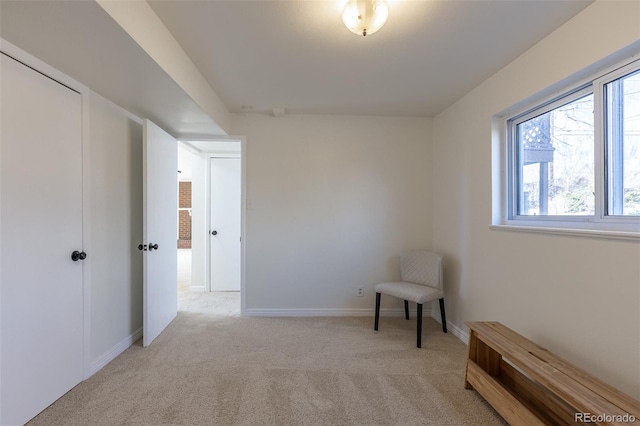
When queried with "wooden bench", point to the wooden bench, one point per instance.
{"points": [[528, 385]]}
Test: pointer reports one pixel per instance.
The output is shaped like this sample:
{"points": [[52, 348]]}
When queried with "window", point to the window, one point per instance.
{"points": [[574, 161], [622, 142]]}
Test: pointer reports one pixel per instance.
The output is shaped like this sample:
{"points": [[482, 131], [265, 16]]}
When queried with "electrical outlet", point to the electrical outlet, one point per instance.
{"points": [[360, 291]]}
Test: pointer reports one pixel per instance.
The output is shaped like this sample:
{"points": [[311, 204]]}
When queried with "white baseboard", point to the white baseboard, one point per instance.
{"points": [[456, 331], [329, 312], [111, 354], [197, 288]]}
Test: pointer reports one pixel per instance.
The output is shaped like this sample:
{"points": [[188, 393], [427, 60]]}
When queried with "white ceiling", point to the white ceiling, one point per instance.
{"points": [[295, 55], [298, 55], [80, 39]]}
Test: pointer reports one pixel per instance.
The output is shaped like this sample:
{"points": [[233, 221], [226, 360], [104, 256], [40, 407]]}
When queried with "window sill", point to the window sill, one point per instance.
{"points": [[588, 233]]}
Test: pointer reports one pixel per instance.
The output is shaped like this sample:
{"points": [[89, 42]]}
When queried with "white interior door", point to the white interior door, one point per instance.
{"points": [[40, 226], [225, 228], [160, 228]]}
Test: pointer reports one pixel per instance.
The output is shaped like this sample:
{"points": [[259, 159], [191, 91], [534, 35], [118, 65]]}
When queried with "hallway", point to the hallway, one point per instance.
{"points": [[221, 303]]}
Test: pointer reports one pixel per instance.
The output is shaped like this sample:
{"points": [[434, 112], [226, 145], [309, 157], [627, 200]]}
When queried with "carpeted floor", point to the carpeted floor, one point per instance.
{"points": [[212, 368]]}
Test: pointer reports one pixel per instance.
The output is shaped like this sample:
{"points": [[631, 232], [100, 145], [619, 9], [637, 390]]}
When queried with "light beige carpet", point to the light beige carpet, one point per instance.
{"points": [[209, 368]]}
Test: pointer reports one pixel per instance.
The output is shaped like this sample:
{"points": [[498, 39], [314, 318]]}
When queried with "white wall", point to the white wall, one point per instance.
{"points": [[335, 199], [578, 297], [116, 226]]}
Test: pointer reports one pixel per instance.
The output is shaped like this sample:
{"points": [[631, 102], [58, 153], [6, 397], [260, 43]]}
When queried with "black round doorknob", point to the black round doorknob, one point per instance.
{"points": [[153, 247], [78, 255], [214, 232]]}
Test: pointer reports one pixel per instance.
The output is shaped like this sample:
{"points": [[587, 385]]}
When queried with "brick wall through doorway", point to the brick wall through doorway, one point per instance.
{"points": [[184, 215]]}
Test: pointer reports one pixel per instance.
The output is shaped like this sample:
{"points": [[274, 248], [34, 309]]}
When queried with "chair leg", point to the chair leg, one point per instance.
{"points": [[419, 314], [375, 325], [406, 309], [443, 316]]}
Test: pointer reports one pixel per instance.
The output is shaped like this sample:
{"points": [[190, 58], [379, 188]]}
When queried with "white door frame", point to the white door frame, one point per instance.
{"points": [[41, 67], [243, 208]]}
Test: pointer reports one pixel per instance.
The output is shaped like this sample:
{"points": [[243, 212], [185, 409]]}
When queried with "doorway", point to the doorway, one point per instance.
{"points": [[212, 268], [185, 190]]}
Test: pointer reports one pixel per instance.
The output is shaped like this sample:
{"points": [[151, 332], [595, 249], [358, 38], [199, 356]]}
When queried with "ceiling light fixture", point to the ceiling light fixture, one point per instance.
{"points": [[365, 16]]}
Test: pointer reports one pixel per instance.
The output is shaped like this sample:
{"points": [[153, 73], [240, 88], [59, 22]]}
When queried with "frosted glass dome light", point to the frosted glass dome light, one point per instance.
{"points": [[365, 16]]}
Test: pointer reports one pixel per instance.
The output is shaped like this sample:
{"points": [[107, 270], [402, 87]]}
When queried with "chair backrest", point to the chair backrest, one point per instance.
{"points": [[421, 267]]}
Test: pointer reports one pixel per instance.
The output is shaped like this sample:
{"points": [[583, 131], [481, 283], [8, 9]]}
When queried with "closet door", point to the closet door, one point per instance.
{"points": [[40, 227]]}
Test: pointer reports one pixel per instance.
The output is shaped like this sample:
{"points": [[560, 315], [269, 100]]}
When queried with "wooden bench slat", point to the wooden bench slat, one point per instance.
{"points": [[509, 407], [613, 395], [578, 396], [558, 411], [549, 386]]}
